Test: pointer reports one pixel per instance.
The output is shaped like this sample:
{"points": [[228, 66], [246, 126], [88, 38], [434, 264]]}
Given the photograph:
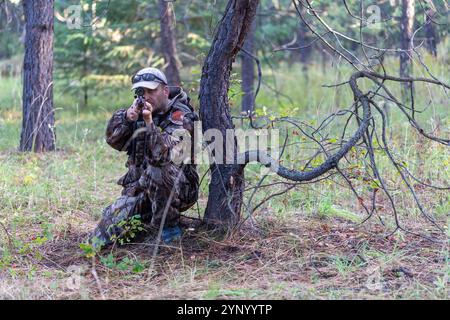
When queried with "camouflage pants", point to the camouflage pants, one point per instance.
{"points": [[148, 199]]}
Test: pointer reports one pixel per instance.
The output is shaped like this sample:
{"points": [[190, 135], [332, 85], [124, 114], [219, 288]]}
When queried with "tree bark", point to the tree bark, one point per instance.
{"points": [[248, 72], [38, 114], [407, 29], [227, 180], [168, 43]]}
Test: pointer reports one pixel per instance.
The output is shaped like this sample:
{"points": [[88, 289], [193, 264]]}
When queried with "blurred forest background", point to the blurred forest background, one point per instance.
{"points": [[309, 243], [94, 63]]}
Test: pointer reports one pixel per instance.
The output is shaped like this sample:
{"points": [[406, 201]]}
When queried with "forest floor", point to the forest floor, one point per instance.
{"points": [[298, 258]]}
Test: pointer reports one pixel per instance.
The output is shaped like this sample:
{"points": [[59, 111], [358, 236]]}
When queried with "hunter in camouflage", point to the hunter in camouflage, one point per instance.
{"points": [[153, 177]]}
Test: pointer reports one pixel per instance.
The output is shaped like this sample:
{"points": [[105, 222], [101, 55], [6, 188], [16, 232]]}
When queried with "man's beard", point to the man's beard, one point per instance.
{"points": [[160, 109]]}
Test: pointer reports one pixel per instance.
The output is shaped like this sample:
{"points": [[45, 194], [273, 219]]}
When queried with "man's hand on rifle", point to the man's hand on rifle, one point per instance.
{"points": [[134, 110], [147, 113]]}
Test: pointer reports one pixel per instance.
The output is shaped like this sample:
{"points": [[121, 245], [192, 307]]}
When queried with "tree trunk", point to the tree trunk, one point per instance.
{"points": [[227, 180], [248, 72], [304, 42], [38, 114], [430, 32], [86, 97], [407, 25], [168, 43], [83, 79]]}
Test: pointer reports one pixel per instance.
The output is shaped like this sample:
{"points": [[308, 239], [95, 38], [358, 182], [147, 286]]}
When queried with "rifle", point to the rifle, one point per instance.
{"points": [[139, 94]]}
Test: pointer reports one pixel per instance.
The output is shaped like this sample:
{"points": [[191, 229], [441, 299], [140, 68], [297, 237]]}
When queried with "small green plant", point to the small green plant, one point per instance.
{"points": [[5, 258], [344, 265], [326, 209], [130, 228], [88, 250], [126, 264]]}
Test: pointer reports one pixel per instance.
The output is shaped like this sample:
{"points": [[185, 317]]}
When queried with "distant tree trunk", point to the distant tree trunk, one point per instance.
{"points": [[84, 81], [324, 58], [168, 43], [248, 72], [430, 32], [227, 180], [86, 96], [303, 40], [38, 114], [407, 25], [10, 22]]}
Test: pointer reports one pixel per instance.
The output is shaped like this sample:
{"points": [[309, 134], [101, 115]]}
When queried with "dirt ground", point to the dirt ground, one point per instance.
{"points": [[300, 258]]}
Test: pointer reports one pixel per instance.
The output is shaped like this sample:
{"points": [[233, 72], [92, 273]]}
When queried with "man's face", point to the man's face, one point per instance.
{"points": [[158, 98]]}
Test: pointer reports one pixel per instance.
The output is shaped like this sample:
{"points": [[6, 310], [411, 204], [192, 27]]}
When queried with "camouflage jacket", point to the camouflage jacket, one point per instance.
{"points": [[153, 145]]}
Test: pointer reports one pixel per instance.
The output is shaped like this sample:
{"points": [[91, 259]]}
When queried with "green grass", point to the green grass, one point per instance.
{"points": [[308, 237]]}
